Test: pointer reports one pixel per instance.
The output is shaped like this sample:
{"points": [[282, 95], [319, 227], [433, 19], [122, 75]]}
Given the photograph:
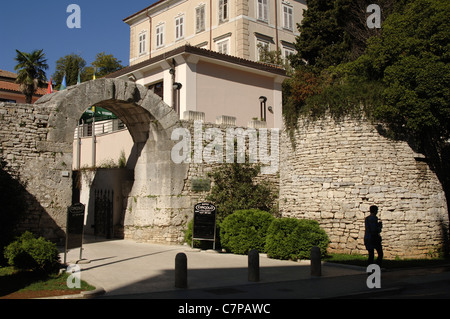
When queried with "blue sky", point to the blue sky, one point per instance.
{"points": [[27, 25]]}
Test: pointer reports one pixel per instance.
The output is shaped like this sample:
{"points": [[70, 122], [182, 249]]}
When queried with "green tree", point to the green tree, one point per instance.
{"points": [[402, 79], [31, 74], [335, 31], [105, 64], [411, 59], [235, 189], [70, 65], [322, 41], [73, 65]]}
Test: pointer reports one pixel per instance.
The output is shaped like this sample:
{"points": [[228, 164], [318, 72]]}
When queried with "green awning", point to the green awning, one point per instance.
{"points": [[101, 114]]}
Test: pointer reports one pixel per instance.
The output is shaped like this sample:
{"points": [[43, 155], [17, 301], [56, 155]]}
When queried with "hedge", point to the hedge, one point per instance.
{"points": [[289, 238], [245, 230]]}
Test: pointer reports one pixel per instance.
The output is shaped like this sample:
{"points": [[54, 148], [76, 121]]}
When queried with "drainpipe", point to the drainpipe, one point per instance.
{"points": [[276, 25], [94, 141], [173, 73], [210, 24]]}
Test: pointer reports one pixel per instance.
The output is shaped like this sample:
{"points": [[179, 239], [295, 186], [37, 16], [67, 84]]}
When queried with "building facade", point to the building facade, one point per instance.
{"points": [[230, 27], [202, 57], [10, 91]]}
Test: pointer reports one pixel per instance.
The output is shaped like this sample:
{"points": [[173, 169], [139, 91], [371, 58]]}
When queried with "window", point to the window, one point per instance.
{"points": [[287, 52], [158, 89], [287, 17], [200, 19], [179, 28], [223, 46], [160, 35], [262, 48], [7, 101], [142, 42], [223, 11], [263, 9]]}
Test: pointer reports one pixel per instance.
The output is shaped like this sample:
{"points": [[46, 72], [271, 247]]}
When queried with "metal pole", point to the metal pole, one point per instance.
{"points": [[93, 140]]}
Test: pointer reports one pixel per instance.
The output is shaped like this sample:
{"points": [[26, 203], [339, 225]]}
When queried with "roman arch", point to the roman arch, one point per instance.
{"points": [[44, 162]]}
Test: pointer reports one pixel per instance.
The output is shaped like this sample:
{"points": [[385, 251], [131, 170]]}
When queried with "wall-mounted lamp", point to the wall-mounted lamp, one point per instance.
{"points": [[270, 109], [177, 86], [262, 101]]}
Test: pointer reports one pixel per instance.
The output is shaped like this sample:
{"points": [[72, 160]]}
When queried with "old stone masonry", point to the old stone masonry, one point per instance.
{"points": [[335, 171]]}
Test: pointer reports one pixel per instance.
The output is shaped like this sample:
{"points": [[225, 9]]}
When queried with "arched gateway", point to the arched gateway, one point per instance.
{"points": [[158, 182]]}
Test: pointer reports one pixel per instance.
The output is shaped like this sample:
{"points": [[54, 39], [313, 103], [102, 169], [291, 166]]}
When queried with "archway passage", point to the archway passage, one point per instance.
{"points": [[136, 106], [150, 123]]}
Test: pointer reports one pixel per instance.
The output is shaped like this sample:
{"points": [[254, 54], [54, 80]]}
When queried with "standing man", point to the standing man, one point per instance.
{"points": [[372, 238]]}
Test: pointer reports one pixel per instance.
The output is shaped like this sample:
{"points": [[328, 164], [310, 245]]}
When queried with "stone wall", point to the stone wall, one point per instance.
{"points": [[162, 218], [43, 169], [339, 168], [336, 171]]}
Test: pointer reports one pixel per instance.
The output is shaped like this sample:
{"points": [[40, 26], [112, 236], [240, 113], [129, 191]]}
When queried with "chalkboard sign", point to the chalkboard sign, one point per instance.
{"points": [[75, 224], [204, 222]]}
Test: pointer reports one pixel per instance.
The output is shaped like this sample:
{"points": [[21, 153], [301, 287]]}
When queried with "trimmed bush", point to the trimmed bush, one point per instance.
{"points": [[245, 230], [30, 253], [289, 238]]}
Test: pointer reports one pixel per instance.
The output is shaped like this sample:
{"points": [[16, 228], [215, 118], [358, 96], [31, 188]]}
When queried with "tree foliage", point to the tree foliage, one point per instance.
{"points": [[105, 64], [70, 65], [73, 65], [31, 74], [398, 76], [235, 189], [334, 32]]}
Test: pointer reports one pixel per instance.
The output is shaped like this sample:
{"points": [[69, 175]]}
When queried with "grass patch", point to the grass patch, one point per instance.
{"points": [[361, 260], [28, 284]]}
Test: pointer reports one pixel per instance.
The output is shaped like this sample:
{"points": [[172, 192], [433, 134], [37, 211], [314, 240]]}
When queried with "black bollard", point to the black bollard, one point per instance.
{"points": [[253, 265], [316, 263], [181, 271]]}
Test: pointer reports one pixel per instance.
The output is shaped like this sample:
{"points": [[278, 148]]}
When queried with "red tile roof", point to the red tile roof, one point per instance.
{"points": [[7, 83], [14, 87]]}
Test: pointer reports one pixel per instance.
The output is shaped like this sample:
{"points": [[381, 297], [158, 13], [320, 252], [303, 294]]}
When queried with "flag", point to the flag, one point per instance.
{"points": [[50, 88], [63, 84]]}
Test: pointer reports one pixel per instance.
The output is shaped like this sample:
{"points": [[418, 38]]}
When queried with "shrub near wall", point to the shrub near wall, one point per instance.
{"points": [[245, 230], [289, 238], [30, 253]]}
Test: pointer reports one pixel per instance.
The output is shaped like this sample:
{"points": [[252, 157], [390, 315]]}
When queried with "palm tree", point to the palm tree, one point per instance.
{"points": [[30, 75]]}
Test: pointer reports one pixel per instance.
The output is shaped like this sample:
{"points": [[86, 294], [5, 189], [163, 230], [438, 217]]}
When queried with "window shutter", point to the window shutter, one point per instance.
{"points": [[221, 10], [266, 15]]}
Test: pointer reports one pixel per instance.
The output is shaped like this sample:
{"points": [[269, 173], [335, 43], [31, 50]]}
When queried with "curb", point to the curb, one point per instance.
{"points": [[369, 294], [83, 295], [93, 293]]}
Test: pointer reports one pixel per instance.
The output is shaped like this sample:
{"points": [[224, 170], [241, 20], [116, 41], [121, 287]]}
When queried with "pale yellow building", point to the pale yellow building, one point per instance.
{"points": [[201, 57], [233, 27]]}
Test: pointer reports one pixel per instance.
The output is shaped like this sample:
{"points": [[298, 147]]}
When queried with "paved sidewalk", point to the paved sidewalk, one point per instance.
{"points": [[126, 269]]}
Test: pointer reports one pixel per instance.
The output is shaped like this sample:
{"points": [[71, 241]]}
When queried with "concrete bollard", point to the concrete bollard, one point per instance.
{"points": [[253, 265], [181, 271], [316, 263]]}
